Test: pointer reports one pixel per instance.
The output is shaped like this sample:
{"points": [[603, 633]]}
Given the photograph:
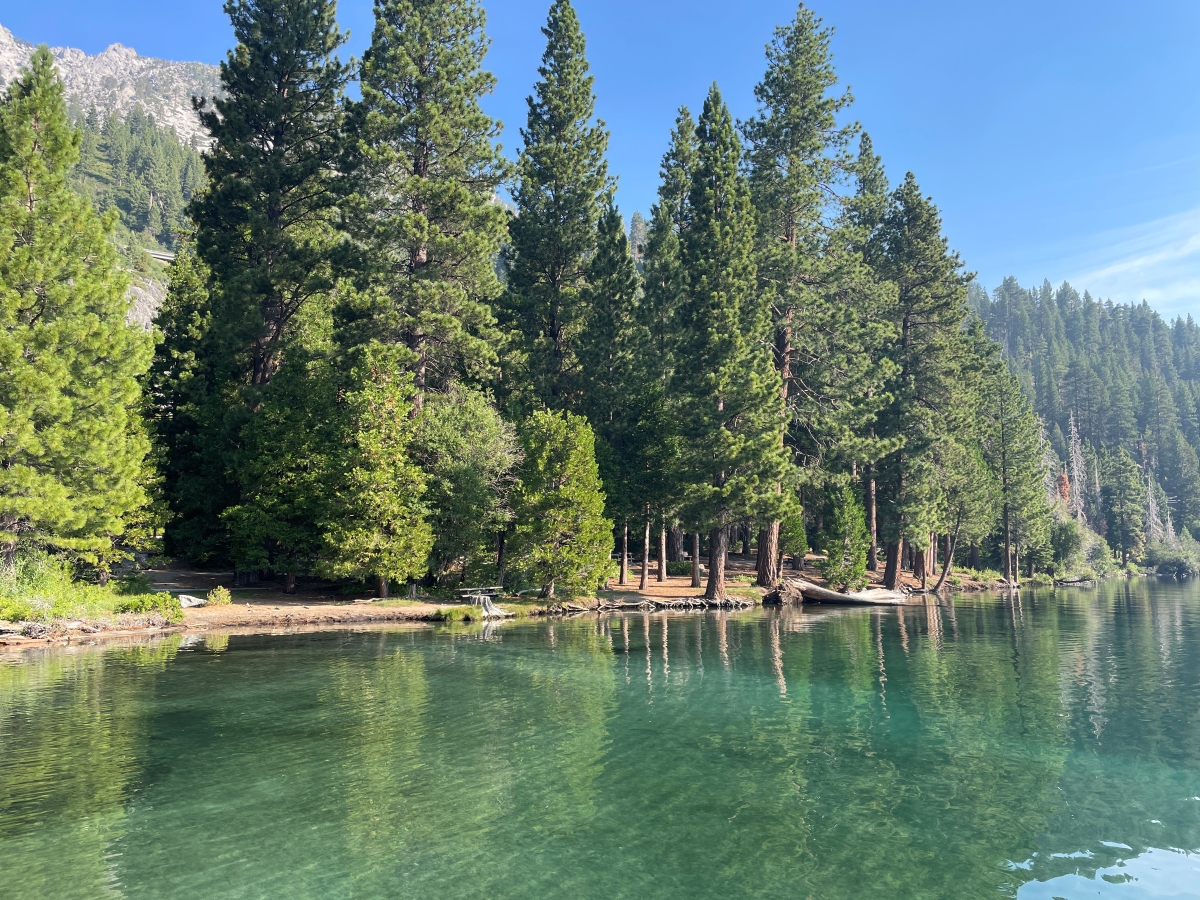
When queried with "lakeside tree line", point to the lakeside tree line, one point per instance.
{"points": [[369, 367]]}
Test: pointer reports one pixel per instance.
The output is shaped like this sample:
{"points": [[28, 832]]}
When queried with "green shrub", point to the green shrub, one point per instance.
{"points": [[41, 587], [845, 541], [220, 596], [166, 605], [681, 567], [1180, 560]]}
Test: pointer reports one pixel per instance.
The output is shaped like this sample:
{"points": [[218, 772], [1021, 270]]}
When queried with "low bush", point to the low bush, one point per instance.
{"points": [[166, 605], [1181, 559], [41, 587], [682, 567], [220, 596]]}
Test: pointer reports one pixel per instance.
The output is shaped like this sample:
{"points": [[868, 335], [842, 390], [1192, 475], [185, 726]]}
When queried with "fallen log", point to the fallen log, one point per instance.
{"points": [[814, 593]]}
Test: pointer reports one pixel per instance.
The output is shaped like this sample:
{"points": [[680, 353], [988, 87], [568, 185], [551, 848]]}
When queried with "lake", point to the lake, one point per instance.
{"points": [[1038, 748]]}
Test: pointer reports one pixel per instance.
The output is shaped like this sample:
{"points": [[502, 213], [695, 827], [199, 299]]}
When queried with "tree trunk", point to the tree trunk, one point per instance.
{"points": [[382, 586], [674, 544], [645, 578], [973, 557], [1030, 573], [873, 549], [768, 556], [946, 563], [745, 529], [695, 559], [718, 546], [919, 557], [662, 554], [1008, 568], [624, 579], [933, 549], [289, 583], [501, 558], [891, 569]]}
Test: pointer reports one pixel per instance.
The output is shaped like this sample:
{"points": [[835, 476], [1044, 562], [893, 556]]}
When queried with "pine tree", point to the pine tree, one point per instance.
{"points": [[561, 540], [71, 443], [425, 210], [265, 231], [931, 358], [376, 518], [664, 279], [824, 301], [845, 541], [1124, 504], [612, 337], [1013, 447], [194, 468], [264, 224], [562, 182], [286, 470], [728, 389], [968, 493]]}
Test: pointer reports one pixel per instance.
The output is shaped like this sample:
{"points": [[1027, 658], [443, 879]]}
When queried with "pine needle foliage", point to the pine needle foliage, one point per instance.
{"points": [[424, 212], [71, 443], [561, 189]]}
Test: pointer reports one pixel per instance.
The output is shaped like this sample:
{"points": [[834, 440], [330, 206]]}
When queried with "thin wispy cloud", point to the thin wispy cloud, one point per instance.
{"points": [[1157, 261]]}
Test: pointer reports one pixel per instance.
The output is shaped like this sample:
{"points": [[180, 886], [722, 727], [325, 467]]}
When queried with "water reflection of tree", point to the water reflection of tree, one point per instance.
{"points": [[71, 737], [1130, 682]]}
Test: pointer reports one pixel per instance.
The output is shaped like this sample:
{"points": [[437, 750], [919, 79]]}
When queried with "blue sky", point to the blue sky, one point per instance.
{"points": [[1061, 140]]}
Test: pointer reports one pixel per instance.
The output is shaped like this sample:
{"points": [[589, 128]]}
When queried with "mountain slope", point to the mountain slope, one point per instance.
{"points": [[1117, 376], [118, 79]]}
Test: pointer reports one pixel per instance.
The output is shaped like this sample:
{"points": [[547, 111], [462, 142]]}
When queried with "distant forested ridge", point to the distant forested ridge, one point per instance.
{"points": [[1121, 376], [140, 169]]}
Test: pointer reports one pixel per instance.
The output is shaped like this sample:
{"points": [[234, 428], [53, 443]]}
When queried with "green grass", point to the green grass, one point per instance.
{"points": [[41, 588]]}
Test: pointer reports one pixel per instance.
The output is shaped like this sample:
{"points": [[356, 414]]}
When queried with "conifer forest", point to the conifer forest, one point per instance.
{"points": [[393, 353]]}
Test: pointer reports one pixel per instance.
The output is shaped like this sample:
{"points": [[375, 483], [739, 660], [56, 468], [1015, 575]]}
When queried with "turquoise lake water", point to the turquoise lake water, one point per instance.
{"points": [[1048, 747]]}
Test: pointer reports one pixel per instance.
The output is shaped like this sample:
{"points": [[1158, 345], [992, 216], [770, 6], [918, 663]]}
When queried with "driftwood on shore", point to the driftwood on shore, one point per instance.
{"points": [[1077, 581], [814, 593]]}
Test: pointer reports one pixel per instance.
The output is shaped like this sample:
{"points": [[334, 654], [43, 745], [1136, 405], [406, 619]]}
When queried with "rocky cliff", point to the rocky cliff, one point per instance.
{"points": [[118, 78]]}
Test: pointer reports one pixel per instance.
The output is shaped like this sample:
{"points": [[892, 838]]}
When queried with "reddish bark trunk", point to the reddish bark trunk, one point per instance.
{"points": [[718, 545]]}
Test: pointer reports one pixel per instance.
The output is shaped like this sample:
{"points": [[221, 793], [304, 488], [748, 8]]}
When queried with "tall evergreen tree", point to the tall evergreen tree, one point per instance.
{"points": [[265, 233], [71, 442], [376, 521], [726, 385], [264, 224], [824, 301], [1124, 495], [183, 419], [665, 281], [1013, 446], [932, 362], [425, 210], [562, 182]]}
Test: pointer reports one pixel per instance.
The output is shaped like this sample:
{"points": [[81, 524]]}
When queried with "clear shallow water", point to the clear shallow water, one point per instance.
{"points": [[1044, 749]]}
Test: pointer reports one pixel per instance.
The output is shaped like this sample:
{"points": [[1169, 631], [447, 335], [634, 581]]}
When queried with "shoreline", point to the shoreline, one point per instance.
{"points": [[265, 610]]}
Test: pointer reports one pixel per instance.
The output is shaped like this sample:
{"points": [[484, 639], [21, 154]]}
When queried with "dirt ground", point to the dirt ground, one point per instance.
{"points": [[265, 608]]}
